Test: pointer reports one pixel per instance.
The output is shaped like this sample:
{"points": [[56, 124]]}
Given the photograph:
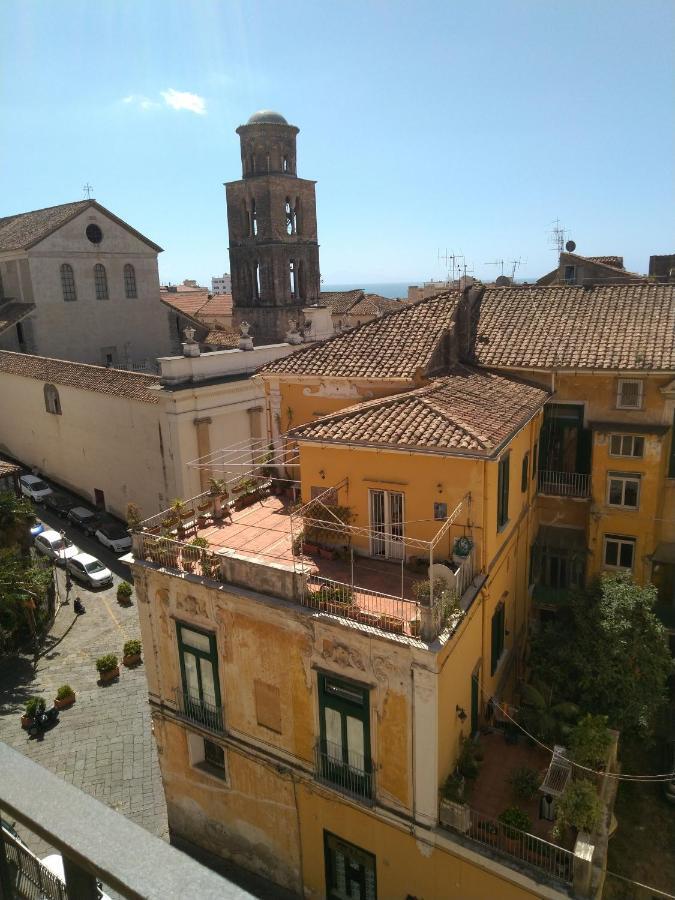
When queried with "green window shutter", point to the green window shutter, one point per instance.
{"points": [[497, 637], [525, 472], [503, 492]]}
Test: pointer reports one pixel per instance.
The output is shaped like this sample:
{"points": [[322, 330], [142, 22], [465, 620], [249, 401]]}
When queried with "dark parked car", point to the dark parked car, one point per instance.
{"points": [[60, 503], [84, 518]]}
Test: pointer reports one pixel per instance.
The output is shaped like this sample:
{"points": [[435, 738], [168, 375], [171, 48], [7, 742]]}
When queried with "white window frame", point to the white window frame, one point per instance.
{"points": [[619, 541], [619, 393], [197, 756], [624, 478], [631, 438], [387, 544]]}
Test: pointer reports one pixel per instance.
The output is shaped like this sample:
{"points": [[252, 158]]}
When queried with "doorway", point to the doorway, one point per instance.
{"points": [[387, 524], [99, 498]]}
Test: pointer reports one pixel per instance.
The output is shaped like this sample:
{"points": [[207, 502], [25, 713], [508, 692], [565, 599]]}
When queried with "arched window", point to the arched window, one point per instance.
{"points": [[101, 282], [285, 164], [290, 218], [130, 282], [293, 284], [297, 216], [256, 282], [68, 282], [254, 219], [52, 400]]}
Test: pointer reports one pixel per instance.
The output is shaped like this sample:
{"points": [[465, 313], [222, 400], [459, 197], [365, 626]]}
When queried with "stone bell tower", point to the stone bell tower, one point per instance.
{"points": [[271, 219]]}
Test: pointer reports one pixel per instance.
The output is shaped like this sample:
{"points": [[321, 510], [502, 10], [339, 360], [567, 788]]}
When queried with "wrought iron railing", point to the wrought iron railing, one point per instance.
{"points": [[369, 607], [527, 848], [178, 555], [29, 878], [354, 776], [199, 711], [564, 484]]}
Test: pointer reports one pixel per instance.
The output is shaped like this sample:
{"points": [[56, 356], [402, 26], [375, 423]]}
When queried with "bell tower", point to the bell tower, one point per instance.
{"points": [[271, 220]]}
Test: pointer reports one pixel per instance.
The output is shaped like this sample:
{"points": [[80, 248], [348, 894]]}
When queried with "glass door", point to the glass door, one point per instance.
{"points": [[387, 524]]}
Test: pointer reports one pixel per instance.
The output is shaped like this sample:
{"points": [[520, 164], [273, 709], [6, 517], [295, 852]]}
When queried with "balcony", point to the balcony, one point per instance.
{"points": [[564, 484], [355, 777], [199, 712]]}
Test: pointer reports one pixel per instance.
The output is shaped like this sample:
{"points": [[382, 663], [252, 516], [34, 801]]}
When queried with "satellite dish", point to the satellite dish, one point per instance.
{"points": [[502, 281], [570, 246]]}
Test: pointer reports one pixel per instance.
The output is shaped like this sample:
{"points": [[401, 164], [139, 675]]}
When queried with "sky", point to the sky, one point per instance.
{"points": [[461, 126]]}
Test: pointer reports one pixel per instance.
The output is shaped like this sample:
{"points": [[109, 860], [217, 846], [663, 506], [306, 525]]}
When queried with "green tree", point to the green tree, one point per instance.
{"points": [[16, 517]]}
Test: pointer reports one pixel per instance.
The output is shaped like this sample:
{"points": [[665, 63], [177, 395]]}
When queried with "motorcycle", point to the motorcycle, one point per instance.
{"points": [[44, 720]]}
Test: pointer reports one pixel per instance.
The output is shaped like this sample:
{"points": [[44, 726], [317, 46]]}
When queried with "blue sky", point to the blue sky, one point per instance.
{"points": [[466, 125]]}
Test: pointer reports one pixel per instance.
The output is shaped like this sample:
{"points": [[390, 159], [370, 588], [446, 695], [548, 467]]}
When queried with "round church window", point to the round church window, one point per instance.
{"points": [[94, 234]]}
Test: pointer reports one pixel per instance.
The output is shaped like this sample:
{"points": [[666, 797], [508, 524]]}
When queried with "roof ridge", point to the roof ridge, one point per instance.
{"points": [[70, 362], [31, 212]]}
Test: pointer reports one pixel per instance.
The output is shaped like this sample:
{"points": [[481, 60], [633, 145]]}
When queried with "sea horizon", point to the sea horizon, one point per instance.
{"points": [[394, 289]]}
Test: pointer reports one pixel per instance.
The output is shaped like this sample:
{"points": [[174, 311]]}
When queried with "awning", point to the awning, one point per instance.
{"points": [[664, 553], [561, 538]]}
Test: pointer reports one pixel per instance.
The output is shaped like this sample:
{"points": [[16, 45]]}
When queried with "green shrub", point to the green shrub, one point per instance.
{"points": [[468, 763], [514, 820], [338, 595], [106, 663], [579, 807], [65, 692], [132, 648], [34, 706], [590, 740], [525, 783], [453, 788], [124, 589], [200, 542]]}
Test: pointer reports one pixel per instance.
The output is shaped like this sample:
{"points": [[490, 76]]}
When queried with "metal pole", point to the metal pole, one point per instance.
{"points": [[351, 552]]}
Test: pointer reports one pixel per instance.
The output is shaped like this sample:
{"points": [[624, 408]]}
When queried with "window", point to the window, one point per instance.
{"points": [[68, 282], [256, 282], [440, 511], [497, 644], [206, 755], [52, 400], [671, 464], [525, 471], [20, 335], [344, 745], [570, 274], [387, 524], [619, 552], [285, 164], [350, 871], [629, 394], [101, 282], [254, 219], [535, 455], [623, 489], [199, 673], [503, 492], [292, 279], [130, 282], [94, 234], [290, 217], [626, 445]]}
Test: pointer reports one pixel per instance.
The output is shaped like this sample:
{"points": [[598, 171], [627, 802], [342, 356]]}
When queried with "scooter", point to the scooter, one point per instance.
{"points": [[44, 720]]}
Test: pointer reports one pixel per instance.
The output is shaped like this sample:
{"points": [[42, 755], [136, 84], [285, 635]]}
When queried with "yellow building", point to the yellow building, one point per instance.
{"points": [[317, 671]]}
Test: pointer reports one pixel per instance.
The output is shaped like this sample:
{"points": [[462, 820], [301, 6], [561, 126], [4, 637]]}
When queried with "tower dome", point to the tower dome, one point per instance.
{"points": [[267, 117]]}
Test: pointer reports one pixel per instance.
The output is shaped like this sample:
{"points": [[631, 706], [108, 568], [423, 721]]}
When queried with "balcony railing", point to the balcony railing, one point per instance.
{"points": [[354, 777], [27, 876], [364, 605], [199, 712], [527, 848], [564, 484]]}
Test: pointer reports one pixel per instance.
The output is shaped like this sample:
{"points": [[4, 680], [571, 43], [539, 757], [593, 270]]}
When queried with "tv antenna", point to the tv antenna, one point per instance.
{"points": [[497, 262], [452, 263], [515, 265], [88, 190], [557, 236]]}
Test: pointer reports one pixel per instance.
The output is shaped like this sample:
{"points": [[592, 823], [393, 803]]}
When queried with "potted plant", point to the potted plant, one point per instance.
{"points": [[167, 553], [579, 807], [218, 491], [454, 811], [524, 784], [107, 667], [124, 592], [192, 553], [211, 566], [461, 550], [65, 696], [131, 654], [34, 705], [390, 623], [133, 516], [514, 821]]}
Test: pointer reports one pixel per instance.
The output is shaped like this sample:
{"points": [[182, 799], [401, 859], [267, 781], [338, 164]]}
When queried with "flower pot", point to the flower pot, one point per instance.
{"points": [[132, 660], [26, 721], [65, 703], [110, 675]]}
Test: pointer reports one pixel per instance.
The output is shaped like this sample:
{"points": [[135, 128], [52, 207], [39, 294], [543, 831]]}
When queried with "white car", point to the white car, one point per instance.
{"points": [[56, 546], [113, 536], [34, 487], [54, 863], [90, 570]]}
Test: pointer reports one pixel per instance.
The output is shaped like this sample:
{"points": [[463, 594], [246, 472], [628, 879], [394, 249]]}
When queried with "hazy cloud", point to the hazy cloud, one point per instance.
{"points": [[185, 100], [140, 101]]}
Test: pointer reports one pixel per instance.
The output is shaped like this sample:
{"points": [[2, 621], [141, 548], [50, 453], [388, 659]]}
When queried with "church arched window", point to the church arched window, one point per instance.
{"points": [[130, 289], [68, 282], [100, 282], [52, 400]]}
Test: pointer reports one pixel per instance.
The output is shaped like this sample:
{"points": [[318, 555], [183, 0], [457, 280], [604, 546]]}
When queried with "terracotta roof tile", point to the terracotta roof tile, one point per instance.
{"points": [[13, 312], [133, 385], [616, 262], [375, 305], [187, 302], [218, 307], [340, 302], [9, 468], [226, 340], [24, 229], [394, 346], [620, 326], [469, 411]]}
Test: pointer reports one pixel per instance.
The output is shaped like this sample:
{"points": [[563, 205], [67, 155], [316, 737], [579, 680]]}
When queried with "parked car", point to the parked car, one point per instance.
{"points": [[114, 536], [34, 488], [88, 569], [61, 504], [84, 518], [54, 863], [56, 546]]}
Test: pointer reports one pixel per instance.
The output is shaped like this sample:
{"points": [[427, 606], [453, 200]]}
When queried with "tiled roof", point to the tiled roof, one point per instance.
{"points": [[9, 468], [616, 262], [470, 411], [340, 302], [375, 305], [24, 229], [218, 307], [226, 340], [394, 346], [100, 379], [13, 312], [619, 326], [187, 302]]}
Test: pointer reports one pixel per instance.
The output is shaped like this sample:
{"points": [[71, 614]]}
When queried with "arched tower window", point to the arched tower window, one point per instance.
{"points": [[52, 400], [100, 282], [68, 282], [291, 222], [284, 165], [302, 293], [292, 279], [297, 215], [130, 282], [254, 219], [256, 282]]}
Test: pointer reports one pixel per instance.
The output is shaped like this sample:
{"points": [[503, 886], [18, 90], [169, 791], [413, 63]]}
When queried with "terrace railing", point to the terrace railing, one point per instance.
{"points": [[564, 484], [178, 555], [534, 851], [199, 712], [369, 607], [354, 777], [28, 877]]}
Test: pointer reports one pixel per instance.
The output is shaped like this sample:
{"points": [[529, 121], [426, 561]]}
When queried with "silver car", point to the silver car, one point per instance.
{"points": [[56, 546], [89, 570]]}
